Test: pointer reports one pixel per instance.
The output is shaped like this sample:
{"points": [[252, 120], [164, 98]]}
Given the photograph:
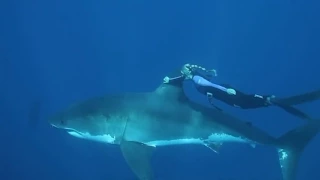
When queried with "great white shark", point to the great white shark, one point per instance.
{"points": [[141, 122]]}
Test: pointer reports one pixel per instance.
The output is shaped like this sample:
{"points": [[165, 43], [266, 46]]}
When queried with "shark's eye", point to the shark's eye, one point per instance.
{"points": [[62, 122]]}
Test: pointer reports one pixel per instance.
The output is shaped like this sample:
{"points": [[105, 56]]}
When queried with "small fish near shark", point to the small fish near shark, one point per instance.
{"points": [[141, 122]]}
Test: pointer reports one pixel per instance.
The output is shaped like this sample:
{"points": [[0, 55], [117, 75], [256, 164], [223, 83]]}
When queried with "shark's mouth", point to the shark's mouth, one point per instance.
{"points": [[55, 126], [104, 138], [75, 133], [70, 131]]}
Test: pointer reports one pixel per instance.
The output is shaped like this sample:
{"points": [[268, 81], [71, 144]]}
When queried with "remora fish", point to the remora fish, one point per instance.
{"points": [[140, 122]]}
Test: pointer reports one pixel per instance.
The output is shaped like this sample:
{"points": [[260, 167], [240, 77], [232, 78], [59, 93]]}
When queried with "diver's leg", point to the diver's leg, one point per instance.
{"points": [[251, 101], [239, 99], [256, 101]]}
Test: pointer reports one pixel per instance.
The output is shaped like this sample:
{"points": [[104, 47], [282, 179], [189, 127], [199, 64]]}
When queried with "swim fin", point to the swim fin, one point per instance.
{"points": [[301, 98], [294, 111]]}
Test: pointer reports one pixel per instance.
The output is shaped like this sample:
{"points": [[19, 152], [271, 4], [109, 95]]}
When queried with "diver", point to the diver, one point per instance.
{"points": [[202, 77]]}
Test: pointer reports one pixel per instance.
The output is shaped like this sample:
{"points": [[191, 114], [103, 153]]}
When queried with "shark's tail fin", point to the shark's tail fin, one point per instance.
{"points": [[291, 146]]}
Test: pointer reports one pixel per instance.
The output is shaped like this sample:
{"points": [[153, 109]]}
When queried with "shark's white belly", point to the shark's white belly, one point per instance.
{"points": [[213, 138], [104, 138]]}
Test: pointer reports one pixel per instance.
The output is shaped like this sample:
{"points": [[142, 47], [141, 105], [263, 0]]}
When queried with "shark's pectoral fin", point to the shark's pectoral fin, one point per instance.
{"points": [[138, 157], [215, 147]]}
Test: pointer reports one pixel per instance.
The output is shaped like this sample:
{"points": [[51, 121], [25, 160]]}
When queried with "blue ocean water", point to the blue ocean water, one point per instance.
{"points": [[56, 52]]}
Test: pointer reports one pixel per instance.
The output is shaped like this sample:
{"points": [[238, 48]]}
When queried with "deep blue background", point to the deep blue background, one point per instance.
{"points": [[62, 51]]}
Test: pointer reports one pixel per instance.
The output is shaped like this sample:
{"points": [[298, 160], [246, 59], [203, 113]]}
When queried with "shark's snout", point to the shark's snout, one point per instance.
{"points": [[57, 121], [54, 126]]}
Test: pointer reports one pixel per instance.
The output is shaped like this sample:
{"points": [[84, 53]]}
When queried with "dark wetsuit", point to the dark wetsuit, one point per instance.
{"points": [[239, 99], [219, 92]]}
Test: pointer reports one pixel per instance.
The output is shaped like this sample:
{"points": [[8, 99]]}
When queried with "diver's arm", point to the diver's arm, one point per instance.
{"points": [[203, 82], [175, 78]]}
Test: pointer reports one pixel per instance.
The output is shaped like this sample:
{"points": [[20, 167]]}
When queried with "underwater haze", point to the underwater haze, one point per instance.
{"points": [[54, 53]]}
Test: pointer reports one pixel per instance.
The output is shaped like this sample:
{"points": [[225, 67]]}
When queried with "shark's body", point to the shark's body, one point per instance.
{"points": [[139, 122]]}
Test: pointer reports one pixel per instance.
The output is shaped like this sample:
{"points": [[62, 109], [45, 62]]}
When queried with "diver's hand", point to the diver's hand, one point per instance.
{"points": [[213, 71], [231, 91]]}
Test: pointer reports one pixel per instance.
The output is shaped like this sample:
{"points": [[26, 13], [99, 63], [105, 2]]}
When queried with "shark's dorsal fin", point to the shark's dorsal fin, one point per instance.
{"points": [[171, 92]]}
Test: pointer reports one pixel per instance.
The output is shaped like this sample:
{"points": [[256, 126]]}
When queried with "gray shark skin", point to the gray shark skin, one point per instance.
{"points": [[141, 122]]}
